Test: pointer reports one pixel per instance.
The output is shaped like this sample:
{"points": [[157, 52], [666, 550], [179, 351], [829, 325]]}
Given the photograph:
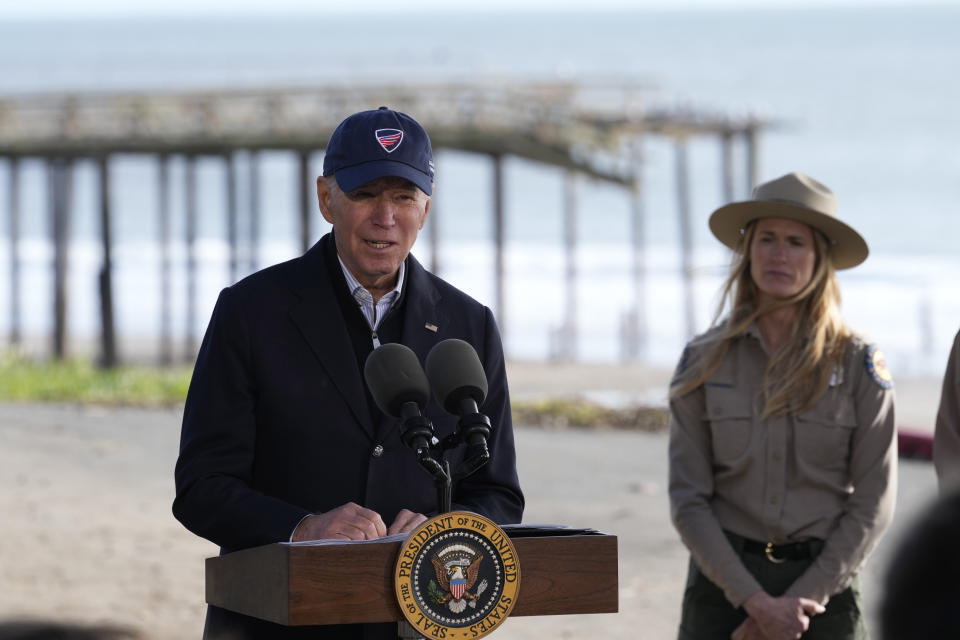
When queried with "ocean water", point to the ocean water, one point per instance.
{"points": [[865, 100]]}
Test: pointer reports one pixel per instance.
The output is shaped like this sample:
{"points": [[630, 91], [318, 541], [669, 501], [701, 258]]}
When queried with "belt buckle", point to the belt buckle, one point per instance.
{"points": [[768, 551]]}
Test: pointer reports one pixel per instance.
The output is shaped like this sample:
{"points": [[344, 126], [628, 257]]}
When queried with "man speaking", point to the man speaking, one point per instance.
{"points": [[281, 440]]}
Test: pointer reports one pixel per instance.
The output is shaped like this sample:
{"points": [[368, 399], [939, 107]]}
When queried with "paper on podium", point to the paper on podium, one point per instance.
{"points": [[523, 530]]}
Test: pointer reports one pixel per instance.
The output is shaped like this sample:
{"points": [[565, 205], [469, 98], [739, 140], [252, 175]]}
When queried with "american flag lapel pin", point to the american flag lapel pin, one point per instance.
{"points": [[430, 327]]}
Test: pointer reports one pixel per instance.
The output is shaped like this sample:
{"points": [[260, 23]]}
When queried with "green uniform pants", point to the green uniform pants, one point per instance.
{"points": [[708, 615]]}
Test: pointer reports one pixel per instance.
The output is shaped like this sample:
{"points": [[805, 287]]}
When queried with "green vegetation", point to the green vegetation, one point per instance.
{"points": [[22, 380], [80, 381], [567, 413]]}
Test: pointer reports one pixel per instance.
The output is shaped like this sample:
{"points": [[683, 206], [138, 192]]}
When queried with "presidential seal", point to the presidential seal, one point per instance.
{"points": [[457, 576]]}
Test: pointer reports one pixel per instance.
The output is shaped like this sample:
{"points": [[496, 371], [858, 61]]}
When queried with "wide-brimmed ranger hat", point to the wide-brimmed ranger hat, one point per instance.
{"points": [[376, 144], [794, 196]]}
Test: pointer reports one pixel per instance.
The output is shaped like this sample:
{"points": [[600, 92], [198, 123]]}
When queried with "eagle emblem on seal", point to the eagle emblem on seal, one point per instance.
{"points": [[457, 568]]}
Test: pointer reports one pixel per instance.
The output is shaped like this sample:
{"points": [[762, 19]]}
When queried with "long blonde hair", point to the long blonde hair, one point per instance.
{"points": [[798, 373]]}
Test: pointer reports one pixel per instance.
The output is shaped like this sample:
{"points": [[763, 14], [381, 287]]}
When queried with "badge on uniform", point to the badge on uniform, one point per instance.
{"points": [[836, 378], [876, 365]]}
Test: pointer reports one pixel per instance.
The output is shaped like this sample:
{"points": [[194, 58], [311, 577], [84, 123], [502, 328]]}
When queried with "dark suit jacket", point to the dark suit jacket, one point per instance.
{"points": [[277, 423]]}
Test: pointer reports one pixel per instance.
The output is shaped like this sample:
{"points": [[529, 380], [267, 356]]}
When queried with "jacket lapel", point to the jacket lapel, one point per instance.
{"points": [[319, 320], [424, 321]]}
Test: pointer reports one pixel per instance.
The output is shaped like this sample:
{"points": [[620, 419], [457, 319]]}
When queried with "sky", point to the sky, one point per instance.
{"points": [[10, 9]]}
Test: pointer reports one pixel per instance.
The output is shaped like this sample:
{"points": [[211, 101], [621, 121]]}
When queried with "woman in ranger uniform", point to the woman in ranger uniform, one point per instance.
{"points": [[782, 443]]}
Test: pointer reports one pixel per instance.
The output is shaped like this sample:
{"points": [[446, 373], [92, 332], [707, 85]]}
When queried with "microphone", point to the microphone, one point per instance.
{"points": [[460, 386], [401, 390]]}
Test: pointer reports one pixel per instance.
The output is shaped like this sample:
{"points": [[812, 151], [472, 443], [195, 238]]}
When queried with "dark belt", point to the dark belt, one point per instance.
{"points": [[778, 553]]}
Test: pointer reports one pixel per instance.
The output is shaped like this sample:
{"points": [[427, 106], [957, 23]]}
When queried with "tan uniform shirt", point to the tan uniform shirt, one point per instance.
{"points": [[827, 473], [946, 438]]}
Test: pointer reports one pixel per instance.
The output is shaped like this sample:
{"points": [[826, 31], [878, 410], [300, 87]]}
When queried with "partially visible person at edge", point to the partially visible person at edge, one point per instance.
{"points": [[921, 590], [782, 444], [946, 435], [281, 439]]}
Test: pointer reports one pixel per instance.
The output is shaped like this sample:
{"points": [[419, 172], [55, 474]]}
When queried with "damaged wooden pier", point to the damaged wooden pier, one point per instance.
{"points": [[592, 129]]}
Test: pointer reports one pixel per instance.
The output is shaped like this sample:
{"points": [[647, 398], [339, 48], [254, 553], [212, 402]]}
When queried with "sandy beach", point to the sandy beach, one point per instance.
{"points": [[88, 537]]}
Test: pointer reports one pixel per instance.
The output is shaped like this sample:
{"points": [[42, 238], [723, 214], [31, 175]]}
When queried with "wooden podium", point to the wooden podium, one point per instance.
{"points": [[352, 583]]}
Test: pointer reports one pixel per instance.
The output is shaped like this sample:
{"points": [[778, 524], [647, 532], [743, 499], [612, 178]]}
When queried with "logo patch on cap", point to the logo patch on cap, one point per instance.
{"points": [[389, 139]]}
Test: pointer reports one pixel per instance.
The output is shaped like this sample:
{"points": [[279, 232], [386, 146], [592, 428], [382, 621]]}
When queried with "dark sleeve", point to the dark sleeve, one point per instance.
{"points": [[494, 490], [214, 498], [946, 439]]}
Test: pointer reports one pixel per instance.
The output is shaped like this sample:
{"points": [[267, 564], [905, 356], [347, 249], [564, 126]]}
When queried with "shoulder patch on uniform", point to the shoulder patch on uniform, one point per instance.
{"points": [[876, 365]]}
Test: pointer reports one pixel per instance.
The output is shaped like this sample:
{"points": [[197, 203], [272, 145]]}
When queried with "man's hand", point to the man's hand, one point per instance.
{"points": [[783, 618], [406, 521], [346, 522]]}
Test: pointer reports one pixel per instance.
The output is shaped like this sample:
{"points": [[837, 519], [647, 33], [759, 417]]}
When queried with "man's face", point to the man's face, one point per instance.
{"points": [[375, 227]]}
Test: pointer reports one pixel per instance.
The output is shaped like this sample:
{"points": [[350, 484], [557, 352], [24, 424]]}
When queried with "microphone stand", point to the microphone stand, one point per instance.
{"points": [[417, 433], [444, 484], [472, 429]]}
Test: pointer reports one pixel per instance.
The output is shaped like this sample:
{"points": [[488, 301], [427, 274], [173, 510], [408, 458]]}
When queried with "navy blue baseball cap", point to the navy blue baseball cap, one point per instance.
{"points": [[374, 144]]}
